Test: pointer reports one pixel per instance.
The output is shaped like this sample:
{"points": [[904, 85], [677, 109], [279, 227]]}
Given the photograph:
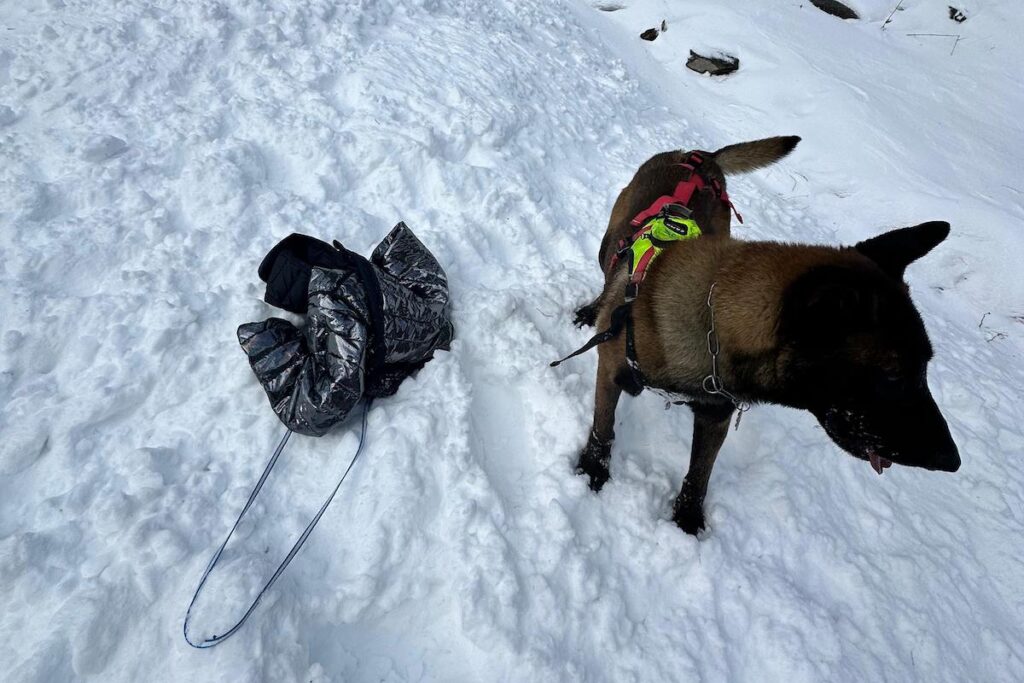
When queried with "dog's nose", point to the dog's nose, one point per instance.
{"points": [[947, 459]]}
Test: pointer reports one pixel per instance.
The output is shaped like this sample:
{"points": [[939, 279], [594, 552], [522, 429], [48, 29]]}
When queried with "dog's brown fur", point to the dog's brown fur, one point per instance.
{"points": [[776, 307]]}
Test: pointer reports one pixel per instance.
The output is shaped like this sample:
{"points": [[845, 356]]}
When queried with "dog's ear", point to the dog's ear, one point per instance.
{"points": [[897, 249]]}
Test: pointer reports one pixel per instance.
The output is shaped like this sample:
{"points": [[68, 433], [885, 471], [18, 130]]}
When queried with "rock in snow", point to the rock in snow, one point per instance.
{"points": [[835, 8], [716, 65]]}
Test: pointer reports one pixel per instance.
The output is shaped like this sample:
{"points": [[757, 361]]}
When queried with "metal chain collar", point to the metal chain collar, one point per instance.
{"points": [[713, 384]]}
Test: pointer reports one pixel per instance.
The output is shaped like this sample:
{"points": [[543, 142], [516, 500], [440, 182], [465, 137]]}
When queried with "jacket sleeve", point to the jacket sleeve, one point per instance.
{"points": [[313, 377]]}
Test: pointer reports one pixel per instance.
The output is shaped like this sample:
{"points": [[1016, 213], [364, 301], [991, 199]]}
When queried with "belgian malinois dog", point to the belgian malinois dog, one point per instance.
{"points": [[724, 323]]}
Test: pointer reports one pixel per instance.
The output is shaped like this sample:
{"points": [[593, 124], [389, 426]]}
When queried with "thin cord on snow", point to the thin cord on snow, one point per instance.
{"points": [[218, 639]]}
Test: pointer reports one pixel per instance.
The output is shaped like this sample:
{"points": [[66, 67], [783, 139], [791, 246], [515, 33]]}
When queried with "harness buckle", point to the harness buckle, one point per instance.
{"points": [[674, 210]]}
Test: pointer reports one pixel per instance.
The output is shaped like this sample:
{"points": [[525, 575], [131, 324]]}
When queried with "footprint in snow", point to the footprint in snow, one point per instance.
{"points": [[103, 147]]}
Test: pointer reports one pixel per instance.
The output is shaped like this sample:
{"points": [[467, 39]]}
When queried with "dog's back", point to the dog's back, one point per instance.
{"points": [[659, 175]]}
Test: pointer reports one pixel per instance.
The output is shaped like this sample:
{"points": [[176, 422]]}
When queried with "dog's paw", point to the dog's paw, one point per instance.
{"points": [[689, 518], [586, 316], [593, 462], [597, 476]]}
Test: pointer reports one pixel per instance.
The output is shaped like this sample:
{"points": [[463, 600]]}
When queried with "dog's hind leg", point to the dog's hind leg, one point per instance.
{"points": [[710, 427], [596, 455]]}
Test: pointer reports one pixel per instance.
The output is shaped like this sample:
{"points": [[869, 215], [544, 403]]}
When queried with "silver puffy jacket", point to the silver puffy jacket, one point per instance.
{"points": [[369, 325]]}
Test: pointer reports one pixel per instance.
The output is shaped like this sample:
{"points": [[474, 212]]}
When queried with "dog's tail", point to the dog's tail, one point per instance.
{"points": [[749, 156]]}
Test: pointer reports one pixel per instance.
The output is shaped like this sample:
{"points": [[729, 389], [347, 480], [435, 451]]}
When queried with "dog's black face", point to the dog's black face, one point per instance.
{"points": [[908, 431], [857, 353]]}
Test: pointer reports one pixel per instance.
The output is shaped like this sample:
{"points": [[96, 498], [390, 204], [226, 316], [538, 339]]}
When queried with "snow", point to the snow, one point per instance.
{"points": [[152, 151]]}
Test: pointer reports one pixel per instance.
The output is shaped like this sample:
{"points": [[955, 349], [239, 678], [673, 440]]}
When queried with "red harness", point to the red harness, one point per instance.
{"points": [[681, 196], [685, 190]]}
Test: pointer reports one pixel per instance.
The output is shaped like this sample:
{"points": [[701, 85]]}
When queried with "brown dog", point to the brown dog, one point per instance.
{"points": [[830, 330]]}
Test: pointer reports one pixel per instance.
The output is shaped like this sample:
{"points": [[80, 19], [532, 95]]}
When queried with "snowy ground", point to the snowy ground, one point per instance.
{"points": [[151, 151]]}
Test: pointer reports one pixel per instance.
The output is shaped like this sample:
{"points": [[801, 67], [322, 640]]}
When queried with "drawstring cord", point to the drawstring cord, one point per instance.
{"points": [[218, 639]]}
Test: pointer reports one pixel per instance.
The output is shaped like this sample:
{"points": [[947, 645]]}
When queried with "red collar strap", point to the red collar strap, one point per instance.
{"points": [[685, 190]]}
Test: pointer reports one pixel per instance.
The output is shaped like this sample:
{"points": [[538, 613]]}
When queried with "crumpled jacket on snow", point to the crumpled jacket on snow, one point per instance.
{"points": [[369, 325]]}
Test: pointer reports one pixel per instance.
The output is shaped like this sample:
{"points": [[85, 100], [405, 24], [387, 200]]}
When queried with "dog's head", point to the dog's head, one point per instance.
{"points": [[855, 354]]}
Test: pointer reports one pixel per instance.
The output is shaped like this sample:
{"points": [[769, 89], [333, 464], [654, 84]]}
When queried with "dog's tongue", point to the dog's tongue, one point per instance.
{"points": [[878, 463]]}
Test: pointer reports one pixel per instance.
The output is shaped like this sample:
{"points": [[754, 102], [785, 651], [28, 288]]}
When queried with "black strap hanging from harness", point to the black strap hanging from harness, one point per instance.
{"points": [[639, 382], [621, 317]]}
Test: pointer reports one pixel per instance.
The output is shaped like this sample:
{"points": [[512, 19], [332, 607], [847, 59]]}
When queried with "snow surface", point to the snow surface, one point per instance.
{"points": [[151, 151]]}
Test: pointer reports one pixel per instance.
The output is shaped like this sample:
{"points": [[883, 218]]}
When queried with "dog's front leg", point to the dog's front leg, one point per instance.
{"points": [[710, 427], [596, 455]]}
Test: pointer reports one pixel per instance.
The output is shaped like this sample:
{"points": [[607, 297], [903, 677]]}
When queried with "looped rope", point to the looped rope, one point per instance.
{"points": [[218, 639]]}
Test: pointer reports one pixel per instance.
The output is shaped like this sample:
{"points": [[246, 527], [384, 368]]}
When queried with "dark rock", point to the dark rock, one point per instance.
{"points": [[716, 66], [649, 34], [957, 15], [610, 7], [835, 8]]}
